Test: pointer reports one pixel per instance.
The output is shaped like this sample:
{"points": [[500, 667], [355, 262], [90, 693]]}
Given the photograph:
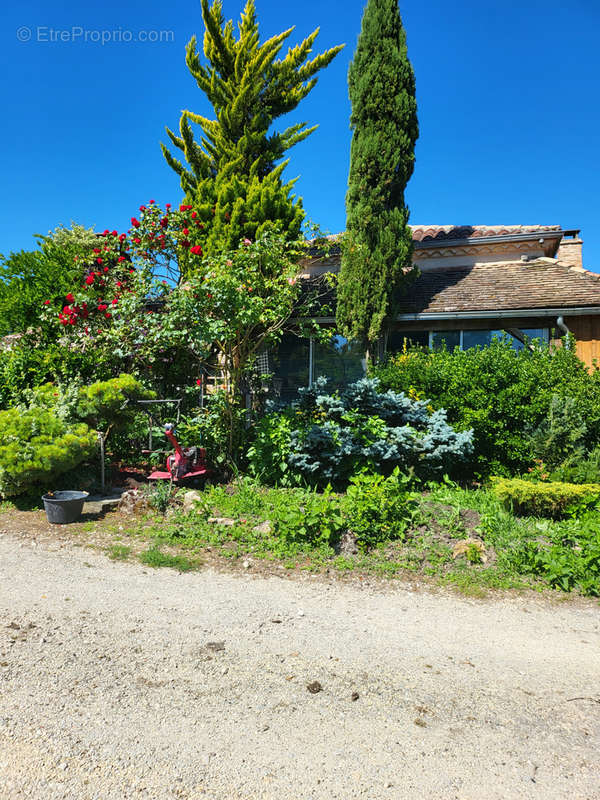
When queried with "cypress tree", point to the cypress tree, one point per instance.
{"points": [[377, 247], [232, 177]]}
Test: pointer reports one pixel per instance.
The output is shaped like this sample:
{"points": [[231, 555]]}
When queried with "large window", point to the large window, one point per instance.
{"points": [[297, 362], [464, 339]]}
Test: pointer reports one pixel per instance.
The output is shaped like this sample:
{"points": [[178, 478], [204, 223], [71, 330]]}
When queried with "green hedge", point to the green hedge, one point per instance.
{"points": [[503, 395], [551, 499]]}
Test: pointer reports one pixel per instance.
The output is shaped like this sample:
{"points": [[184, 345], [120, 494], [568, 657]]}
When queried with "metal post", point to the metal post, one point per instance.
{"points": [[102, 476]]}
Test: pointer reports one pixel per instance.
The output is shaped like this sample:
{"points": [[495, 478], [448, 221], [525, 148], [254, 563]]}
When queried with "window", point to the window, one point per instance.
{"points": [[397, 339], [449, 339], [296, 362]]}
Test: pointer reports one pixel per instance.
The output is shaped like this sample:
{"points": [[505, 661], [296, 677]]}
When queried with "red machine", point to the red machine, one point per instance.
{"points": [[185, 463]]}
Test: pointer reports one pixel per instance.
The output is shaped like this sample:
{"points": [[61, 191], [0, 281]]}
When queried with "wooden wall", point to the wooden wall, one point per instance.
{"points": [[586, 331]]}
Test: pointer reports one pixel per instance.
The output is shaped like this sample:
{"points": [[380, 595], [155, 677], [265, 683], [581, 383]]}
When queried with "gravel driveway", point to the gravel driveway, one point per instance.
{"points": [[117, 681]]}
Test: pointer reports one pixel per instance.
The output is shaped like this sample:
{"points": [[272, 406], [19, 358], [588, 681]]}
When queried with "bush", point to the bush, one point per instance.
{"points": [[545, 499], [578, 469], [328, 438], [36, 446], [378, 509], [561, 435], [502, 394]]}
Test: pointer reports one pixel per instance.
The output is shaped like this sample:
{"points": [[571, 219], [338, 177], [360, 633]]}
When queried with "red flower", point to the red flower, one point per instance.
{"points": [[98, 260], [151, 202], [194, 215], [46, 302], [137, 241], [105, 233], [122, 237], [120, 259], [164, 222], [131, 270], [135, 223], [185, 243], [96, 249], [114, 233], [184, 208], [102, 306], [119, 284], [186, 231], [142, 208], [196, 250], [115, 301], [89, 280], [198, 381], [105, 269], [167, 205], [107, 315]]}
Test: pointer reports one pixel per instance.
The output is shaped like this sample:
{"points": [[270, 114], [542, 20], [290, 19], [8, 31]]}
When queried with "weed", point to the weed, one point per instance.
{"points": [[153, 557], [119, 552]]}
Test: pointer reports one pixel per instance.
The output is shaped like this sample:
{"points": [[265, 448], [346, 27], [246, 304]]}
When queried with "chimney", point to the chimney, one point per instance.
{"points": [[570, 250]]}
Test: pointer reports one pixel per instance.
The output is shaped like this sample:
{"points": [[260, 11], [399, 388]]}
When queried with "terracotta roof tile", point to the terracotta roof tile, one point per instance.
{"points": [[428, 233], [543, 283]]}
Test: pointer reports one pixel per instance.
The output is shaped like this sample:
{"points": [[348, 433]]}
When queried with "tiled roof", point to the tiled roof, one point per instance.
{"points": [[543, 283], [429, 233]]}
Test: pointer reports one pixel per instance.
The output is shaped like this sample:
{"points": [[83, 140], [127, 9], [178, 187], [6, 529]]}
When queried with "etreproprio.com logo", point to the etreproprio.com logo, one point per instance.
{"points": [[77, 33]]}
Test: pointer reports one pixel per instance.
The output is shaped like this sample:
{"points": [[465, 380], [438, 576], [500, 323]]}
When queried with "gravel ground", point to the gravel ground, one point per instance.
{"points": [[117, 681]]}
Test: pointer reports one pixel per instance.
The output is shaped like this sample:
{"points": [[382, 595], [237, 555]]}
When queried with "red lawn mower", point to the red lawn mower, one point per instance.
{"points": [[185, 463]]}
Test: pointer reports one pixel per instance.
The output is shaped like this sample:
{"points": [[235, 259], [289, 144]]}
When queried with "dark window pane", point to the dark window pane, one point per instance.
{"points": [[396, 340], [338, 360], [450, 339], [477, 338], [290, 366]]}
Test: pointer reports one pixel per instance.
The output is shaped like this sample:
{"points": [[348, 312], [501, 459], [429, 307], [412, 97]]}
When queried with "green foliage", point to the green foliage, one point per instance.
{"points": [[104, 404], [545, 499], [578, 469], [333, 437], [231, 178], [561, 435], [36, 446], [313, 520], [502, 394], [159, 495], [270, 450], [220, 427], [29, 279], [377, 247], [154, 557], [378, 509], [28, 365]]}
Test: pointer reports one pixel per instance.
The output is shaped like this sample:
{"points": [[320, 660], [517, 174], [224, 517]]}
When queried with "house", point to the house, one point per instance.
{"points": [[523, 281]]}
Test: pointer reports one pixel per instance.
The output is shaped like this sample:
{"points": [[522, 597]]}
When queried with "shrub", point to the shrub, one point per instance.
{"points": [[104, 403], [334, 436], [268, 455], [502, 394], [551, 499], [578, 469], [313, 519], [377, 508], [561, 435], [36, 446]]}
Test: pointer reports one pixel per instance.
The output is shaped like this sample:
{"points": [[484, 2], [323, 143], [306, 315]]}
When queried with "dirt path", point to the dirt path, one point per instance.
{"points": [[122, 682]]}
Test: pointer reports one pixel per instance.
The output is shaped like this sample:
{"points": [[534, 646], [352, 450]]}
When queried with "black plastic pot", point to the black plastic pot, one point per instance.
{"points": [[64, 507]]}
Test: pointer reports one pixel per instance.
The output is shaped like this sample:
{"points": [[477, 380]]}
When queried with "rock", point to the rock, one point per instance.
{"points": [[246, 565], [472, 549], [347, 545], [314, 687], [354, 696], [265, 527], [221, 521], [190, 499], [133, 502]]}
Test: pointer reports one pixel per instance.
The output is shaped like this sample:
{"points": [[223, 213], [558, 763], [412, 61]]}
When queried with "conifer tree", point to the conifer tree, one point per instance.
{"points": [[232, 176], [377, 247]]}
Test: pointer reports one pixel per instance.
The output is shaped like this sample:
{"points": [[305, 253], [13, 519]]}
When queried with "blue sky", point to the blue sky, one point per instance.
{"points": [[507, 94]]}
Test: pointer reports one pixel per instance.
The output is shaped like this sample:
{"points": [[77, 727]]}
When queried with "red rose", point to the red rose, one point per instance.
{"points": [[184, 208], [89, 280], [105, 233], [185, 243], [142, 208], [135, 223], [186, 231], [98, 261], [96, 249], [196, 250], [107, 315], [46, 302], [69, 298], [198, 381], [114, 233], [120, 259], [151, 202], [105, 269], [122, 237], [115, 301], [164, 222], [137, 241], [102, 306], [194, 215], [119, 284]]}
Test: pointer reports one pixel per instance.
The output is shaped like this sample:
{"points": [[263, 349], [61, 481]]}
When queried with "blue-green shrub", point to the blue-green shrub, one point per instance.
{"points": [[328, 438]]}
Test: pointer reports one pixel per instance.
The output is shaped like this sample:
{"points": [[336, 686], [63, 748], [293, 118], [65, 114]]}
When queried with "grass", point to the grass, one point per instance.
{"points": [[154, 557], [119, 552]]}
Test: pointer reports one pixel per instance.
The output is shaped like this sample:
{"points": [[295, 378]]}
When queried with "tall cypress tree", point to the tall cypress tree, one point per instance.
{"points": [[232, 177], [377, 247]]}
